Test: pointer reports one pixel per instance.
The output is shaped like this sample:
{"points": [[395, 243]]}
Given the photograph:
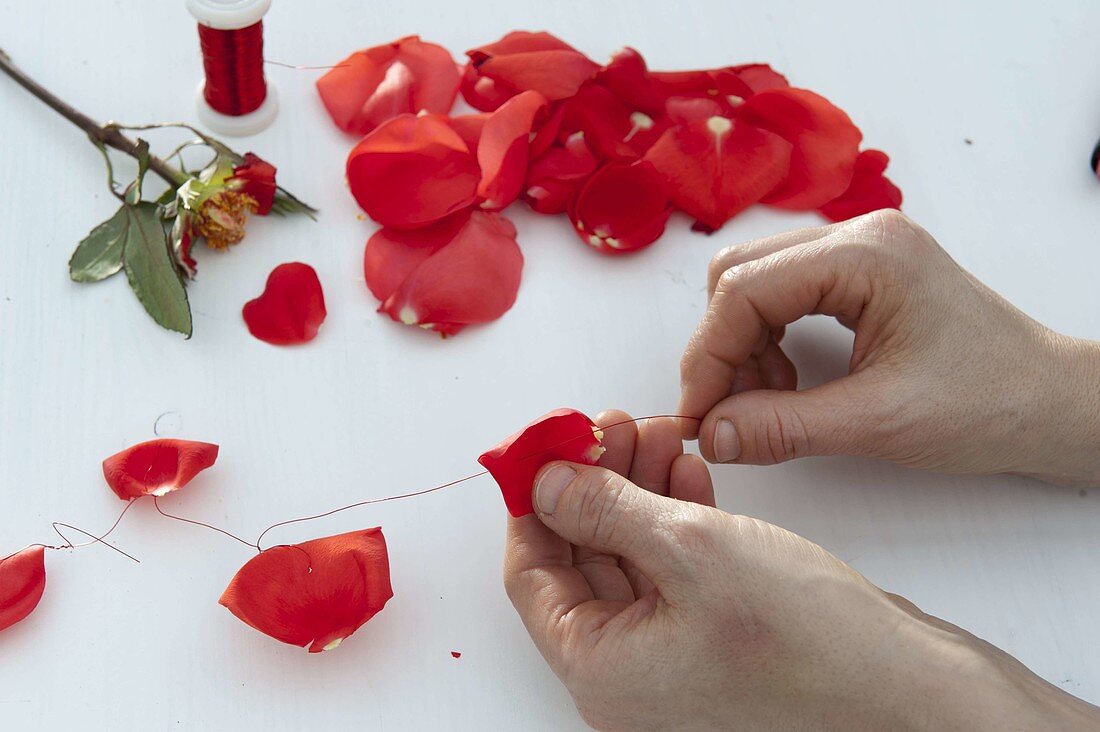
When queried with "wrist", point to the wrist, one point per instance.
{"points": [[1060, 436], [959, 681]]}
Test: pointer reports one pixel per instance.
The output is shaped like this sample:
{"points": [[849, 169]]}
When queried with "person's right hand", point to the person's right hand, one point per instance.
{"points": [[944, 374]]}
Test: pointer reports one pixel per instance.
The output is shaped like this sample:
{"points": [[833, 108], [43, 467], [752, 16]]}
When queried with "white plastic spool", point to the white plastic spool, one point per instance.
{"points": [[233, 15]]}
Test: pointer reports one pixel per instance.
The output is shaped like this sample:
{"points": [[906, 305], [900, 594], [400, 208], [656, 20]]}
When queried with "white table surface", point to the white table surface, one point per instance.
{"points": [[372, 408]]}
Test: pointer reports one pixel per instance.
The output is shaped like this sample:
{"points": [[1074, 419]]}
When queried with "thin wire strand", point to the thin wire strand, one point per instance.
{"points": [[303, 68], [231, 535]]}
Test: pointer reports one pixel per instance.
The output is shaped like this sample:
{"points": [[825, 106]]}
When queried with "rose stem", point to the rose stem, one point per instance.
{"points": [[108, 135]]}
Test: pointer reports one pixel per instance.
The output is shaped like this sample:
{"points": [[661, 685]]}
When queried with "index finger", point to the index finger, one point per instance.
{"points": [[819, 277]]}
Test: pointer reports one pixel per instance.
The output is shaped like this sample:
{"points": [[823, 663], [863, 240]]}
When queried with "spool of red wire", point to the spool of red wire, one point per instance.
{"points": [[234, 98]]}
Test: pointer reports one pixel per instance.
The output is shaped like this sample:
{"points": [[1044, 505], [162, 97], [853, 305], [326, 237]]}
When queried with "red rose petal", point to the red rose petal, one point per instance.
{"points": [[627, 77], [22, 582], [411, 171], [760, 77], [291, 308], [256, 177], [376, 84], [316, 593], [157, 467], [523, 61], [469, 128], [391, 255], [481, 92], [621, 208], [503, 148], [614, 130], [564, 434], [869, 191], [825, 142], [555, 177], [716, 167], [471, 278]]}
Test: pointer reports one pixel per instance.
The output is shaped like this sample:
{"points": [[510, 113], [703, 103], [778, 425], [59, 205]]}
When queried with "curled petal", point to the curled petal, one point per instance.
{"points": [[481, 92], [451, 276], [255, 177], [22, 582], [316, 593], [825, 142], [716, 167], [555, 177], [523, 61], [564, 434], [503, 148], [412, 171], [157, 467], [627, 77], [291, 308], [614, 130], [869, 191], [621, 208], [469, 127], [376, 84]]}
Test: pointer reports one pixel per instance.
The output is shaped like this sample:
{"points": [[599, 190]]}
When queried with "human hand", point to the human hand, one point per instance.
{"points": [[944, 375], [658, 611]]}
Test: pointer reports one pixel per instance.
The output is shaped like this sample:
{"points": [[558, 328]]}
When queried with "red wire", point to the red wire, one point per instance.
{"points": [[234, 65]]}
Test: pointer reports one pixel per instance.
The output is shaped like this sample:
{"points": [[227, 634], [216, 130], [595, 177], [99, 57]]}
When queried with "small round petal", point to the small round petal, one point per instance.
{"points": [[472, 278], [554, 178], [563, 434], [825, 142], [316, 593], [291, 308], [22, 582], [621, 208], [412, 171], [869, 191], [157, 467], [716, 167], [502, 150]]}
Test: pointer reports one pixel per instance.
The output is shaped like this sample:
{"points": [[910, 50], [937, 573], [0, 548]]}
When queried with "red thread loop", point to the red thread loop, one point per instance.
{"points": [[234, 65]]}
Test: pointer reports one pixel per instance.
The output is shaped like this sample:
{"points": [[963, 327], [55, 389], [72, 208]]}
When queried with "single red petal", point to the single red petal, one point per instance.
{"points": [[469, 127], [869, 191], [627, 77], [392, 254], [316, 593], [716, 167], [347, 87], [411, 171], [760, 77], [481, 92], [256, 177], [472, 279], [555, 177], [563, 434], [291, 308], [22, 582], [621, 208], [725, 86], [503, 147], [825, 142], [376, 84], [524, 61], [157, 467]]}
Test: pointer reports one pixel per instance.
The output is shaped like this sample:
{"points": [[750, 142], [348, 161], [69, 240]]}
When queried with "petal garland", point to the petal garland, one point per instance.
{"points": [[563, 434], [291, 308], [316, 593], [616, 147], [457, 273], [157, 467], [371, 86], [22, 582]]}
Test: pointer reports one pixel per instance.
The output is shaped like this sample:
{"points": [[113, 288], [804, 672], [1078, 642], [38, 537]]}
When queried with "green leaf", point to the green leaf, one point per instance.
{"points": [[150, 270], [99, 254]]}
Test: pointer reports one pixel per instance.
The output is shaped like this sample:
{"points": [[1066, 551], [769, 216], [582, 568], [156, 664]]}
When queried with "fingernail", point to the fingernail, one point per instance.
{"points": [[551, 485], [727, 447]]}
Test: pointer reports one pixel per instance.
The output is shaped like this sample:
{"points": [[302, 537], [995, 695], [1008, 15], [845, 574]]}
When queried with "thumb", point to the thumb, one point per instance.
{"points": [[764, 427], [601, 510]]}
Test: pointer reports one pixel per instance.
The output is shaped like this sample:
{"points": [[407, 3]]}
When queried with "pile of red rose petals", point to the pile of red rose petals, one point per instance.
{"points": [[617, 148]]}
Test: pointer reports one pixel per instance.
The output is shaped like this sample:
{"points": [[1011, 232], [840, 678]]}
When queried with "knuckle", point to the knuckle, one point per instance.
{"points": [[718, 264], [729, 279], [600, 494], [781, 437]]}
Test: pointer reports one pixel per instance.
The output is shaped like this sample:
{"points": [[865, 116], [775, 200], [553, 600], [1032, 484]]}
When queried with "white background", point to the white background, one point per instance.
{"points": [[373, 408]]}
